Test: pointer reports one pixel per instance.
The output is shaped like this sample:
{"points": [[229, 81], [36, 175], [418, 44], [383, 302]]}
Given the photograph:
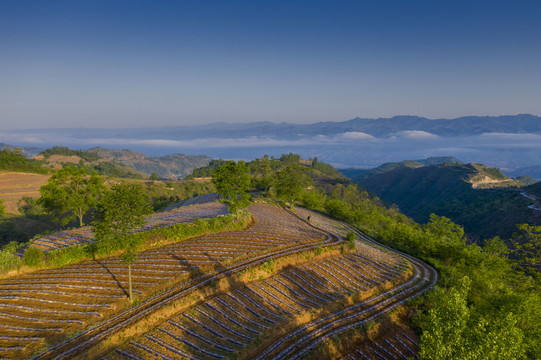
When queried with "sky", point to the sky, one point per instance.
{"points": [[129, 63]]}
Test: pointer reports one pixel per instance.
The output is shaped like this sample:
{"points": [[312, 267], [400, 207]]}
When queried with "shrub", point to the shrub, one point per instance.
{"points": [[8, 259], [33, 257]]}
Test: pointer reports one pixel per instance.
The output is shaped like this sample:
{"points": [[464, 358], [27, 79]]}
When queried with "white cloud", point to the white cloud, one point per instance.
{"points": [[355, 135], [417, 134]]}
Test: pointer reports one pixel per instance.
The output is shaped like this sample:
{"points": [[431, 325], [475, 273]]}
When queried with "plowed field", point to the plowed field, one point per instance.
{"points": [[14, 186], [41, 308]]}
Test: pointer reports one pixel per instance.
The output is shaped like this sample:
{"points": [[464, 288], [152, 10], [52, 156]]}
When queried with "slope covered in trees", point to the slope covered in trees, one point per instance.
{"points": [[170, 166], [447, 190]]}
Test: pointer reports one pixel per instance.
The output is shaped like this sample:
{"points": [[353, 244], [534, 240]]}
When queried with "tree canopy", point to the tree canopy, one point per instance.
{"points": [[70, 193], [290, 182], [454, 330], [232, 181], [120, 211]]}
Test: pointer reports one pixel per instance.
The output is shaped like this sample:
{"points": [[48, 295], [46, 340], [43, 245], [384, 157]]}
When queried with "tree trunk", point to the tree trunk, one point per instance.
{"points": [[129, 282], [80, 216]]}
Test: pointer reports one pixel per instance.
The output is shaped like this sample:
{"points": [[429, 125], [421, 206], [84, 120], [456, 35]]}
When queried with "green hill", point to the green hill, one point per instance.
{"points": [[58, 156], [360, 174], [166, 167], [458, 191]]}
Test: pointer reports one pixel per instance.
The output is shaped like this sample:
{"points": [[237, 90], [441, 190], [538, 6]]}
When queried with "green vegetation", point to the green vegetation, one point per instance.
{"points": [[163, 194], [290, 183], [64, 151], [444, 190], [121, 210], [503, 298], [360, 174], [175, 166], [232, 181], [70, 194], [453, 330], [141, 240], [206, 171], [14, 160]]}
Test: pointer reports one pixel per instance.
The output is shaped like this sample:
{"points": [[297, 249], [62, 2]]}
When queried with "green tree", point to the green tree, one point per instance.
{"points": [[290, 183], [30, 207], [70, 193], [527, 249], [120, 211], [2, 209], [454, 330], [261, 172], [232, 181]]}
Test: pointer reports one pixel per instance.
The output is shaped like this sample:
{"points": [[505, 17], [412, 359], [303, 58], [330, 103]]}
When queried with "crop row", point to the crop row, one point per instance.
{"points": [[76, 295], [222, 326], [180, 215], [311, 335], [389, 348]]}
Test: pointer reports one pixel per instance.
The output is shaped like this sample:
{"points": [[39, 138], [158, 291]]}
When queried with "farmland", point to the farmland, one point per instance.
{"points": [[183, 214], [47, 305], [289, 313], [16, 185]]}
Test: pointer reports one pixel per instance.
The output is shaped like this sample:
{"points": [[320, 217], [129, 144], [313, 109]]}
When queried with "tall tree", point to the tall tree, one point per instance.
{"points": [[290, 182], [120, 211], [70, 193], [232, 181]]}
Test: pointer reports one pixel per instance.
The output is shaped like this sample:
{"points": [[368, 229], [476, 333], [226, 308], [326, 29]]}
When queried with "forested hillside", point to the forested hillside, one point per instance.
{"points": [[448, 190], [173, 166], [359, 174]]}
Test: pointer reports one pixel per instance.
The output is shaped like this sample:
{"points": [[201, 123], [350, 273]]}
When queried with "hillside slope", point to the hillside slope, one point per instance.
{"points": [[448, 190], [169, 166], [359, 174]]}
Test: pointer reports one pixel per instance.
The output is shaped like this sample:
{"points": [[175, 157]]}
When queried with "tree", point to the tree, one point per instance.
{"points": [[290, 182], [454, 330], [120, 211], [261, 172], [232, 181], [70, 193], [2, 209], [448, 236], [527, 249]]}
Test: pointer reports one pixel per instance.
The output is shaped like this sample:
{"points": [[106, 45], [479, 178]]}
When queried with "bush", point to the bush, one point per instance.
{"points": [[8, 259], [351, 239], [33, 257]]}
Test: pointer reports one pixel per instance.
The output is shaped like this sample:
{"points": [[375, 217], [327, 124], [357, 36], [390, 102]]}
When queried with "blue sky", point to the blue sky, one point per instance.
{"points": [[111, 63]]}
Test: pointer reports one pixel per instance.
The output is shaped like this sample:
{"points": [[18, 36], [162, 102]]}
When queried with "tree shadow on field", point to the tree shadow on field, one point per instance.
{"points": [[240, 314], [113, 276]]}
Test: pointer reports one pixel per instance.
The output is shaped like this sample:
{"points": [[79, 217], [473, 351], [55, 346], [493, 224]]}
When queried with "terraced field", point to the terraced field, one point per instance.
{"points": [[15, 185], [290, 314], [399, 346], [225, 325], [183, 214], [41, 308], [286, 316]]}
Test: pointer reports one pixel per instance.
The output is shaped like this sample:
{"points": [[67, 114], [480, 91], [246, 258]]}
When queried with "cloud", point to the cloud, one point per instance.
{"points": [[416, 134], [355, 135]]}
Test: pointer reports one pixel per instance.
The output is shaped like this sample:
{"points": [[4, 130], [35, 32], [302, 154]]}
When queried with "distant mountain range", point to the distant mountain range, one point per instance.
{"points": [[507, 142]]}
